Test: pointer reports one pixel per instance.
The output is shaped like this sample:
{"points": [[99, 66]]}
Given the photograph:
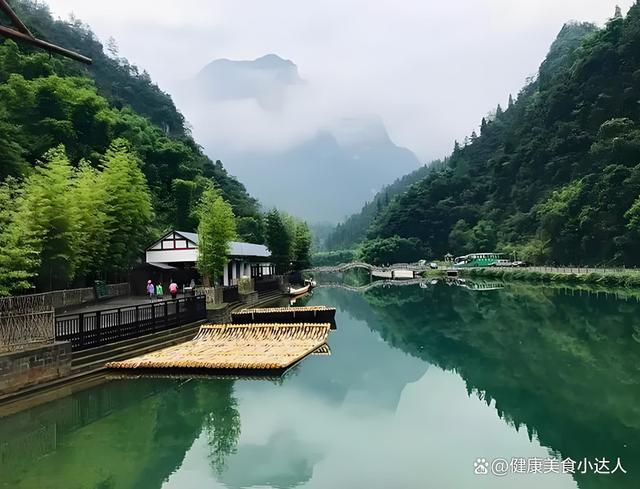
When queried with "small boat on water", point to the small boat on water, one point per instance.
{"points": [[308, 285]]}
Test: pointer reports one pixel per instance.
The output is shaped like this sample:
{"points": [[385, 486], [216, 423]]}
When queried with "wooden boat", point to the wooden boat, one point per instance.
{"points": [[302, 290]]}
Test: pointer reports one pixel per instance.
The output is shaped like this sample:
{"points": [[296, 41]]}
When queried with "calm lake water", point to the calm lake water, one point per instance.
{"points": [[421, 382]]}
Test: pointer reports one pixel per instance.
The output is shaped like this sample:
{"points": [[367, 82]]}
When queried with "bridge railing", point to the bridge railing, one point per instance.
{"points": [[349, 266]]}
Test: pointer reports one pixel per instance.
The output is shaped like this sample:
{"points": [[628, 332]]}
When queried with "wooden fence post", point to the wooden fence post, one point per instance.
{"points": [[81, 329]]}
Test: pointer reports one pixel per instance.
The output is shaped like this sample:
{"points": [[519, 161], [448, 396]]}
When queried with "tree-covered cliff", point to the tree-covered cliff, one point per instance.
{"points": [[555, 175], [63, 126]]}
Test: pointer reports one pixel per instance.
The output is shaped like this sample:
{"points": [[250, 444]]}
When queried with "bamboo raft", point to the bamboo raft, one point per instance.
{"points": [[237, 347], [187, 374], [311, 314]]}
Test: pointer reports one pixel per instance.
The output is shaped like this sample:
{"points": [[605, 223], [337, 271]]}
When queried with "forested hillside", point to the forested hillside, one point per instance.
{"points": [[555, 176], [354, 229], [108, 139], [85, 107]]}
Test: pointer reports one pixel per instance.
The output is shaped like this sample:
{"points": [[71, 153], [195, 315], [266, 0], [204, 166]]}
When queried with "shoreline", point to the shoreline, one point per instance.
{"points": [[628, 280], [64, 386]]}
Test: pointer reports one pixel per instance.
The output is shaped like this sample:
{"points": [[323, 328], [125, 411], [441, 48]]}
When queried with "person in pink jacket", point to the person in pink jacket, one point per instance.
{"points": [[173, 289]]}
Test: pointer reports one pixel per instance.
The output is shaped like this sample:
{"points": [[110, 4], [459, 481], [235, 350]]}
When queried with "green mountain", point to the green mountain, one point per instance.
{"points": [[354, 229], [86, 107], [555, 176], [94, 162]]}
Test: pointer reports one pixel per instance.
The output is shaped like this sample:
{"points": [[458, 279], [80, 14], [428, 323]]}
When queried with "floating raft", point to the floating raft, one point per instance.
{"points": [[324, 351], [237, 347], [187, 374], [310, 314]]}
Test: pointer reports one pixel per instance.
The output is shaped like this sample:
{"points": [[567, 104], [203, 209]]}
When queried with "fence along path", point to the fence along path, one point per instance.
{"points": [[55, 299], [18, 331], [95, 328]]}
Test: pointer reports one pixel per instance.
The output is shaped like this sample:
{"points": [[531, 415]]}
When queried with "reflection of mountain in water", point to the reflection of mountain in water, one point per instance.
{"points": [[563, 365], [381, 372], [283, 462]]}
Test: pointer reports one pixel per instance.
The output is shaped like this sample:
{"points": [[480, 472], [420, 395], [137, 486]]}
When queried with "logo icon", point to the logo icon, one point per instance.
{"points": [[481, 466]]}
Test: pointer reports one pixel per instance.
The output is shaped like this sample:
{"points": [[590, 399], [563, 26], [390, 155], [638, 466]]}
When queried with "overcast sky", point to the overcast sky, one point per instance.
{"points": [[430, 69]]}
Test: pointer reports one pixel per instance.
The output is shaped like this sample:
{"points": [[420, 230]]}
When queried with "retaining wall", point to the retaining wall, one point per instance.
{"points": [[34, 365]]}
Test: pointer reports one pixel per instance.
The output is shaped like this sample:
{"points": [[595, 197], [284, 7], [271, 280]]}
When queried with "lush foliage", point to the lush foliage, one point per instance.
{"points": [[115, 148], [354, 229], [62, 222], [18, 258], [392, 250], [45, 102], [329, 258], [289, 241], [217, 227], [555, 176], [302, 246]]}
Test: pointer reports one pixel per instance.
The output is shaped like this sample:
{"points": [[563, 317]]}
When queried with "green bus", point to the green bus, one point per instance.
{"points": [[479, 260]]}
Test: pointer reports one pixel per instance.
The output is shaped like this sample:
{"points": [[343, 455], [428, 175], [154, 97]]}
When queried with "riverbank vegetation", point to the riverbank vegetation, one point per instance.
{"points": [[289, 240], [623, 278], [555, 175], [379, 251]]}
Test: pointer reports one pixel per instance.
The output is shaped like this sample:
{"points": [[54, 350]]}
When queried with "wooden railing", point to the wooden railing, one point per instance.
{"points": [[95, 328]]}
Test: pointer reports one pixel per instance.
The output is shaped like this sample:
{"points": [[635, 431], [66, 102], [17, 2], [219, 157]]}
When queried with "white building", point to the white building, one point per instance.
{"points": [[178, 250]]}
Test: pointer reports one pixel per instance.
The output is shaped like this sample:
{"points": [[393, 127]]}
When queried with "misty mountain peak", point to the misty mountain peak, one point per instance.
{"points": [[265, 79]]}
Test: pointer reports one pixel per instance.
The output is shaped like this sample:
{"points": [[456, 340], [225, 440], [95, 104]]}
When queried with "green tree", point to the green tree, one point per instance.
{"points": [[279, 240], [89, 204], [393, 250], [18, 256], [251, 229], [302, 246], [127, 207], [45, 214], [216, 228], [184, 196], [461, 238]]}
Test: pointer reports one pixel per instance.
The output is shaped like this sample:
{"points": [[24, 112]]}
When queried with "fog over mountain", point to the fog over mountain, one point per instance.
{"points": [[429, 70], [264, 120]]}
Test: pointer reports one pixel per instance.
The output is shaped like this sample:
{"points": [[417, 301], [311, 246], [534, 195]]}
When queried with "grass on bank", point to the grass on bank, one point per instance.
{"points": [[629, 279]]}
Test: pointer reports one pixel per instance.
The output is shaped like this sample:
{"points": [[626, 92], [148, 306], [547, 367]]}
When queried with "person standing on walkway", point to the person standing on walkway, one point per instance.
{"points": [[151, 290], [159, 291], [173, 289]]}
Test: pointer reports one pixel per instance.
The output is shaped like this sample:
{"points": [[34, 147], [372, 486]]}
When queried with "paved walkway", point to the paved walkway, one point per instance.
{"points": [[114, 303]]}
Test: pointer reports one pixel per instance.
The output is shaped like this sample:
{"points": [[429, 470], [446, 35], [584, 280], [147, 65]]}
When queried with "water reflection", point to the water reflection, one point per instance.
{"points": [[421, 382]]}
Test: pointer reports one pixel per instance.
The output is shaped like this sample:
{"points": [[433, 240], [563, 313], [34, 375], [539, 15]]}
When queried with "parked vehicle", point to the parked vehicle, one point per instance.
{"points": [[433, 265], [478, 260]]}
